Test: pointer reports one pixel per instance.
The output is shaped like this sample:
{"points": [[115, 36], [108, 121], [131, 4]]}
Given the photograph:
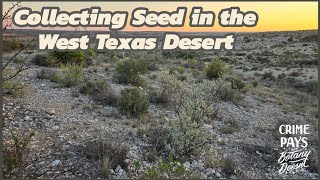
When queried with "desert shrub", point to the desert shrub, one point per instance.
{"points": [[192, 63], [182, 77], [170, 90], [268, 76], [312, 87], [152, 67], [254, 83], [231, 127], [12, 85], [12, 44], [92, 53], [236, 82], [186, 137], [41, 60], [215, 69], [133, 102], [16, 150], [100, 91], [158, 137], [228, 166], [67, 57], [170, 168], [110, 152], [129, 71], [72, 76], [49, 74], [225, 92], [217, 90], [196, 104], [181, 70]]}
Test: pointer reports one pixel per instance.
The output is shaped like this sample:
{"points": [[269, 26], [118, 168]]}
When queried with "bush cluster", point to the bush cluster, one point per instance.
{"points": [[129, 71]]}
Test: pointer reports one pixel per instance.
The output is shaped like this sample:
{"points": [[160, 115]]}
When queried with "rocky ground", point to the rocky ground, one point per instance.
{"points": [[69, 126]]}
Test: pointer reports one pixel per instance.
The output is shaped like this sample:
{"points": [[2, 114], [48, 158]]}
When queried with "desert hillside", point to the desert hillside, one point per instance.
{"points": [[177, 114]]}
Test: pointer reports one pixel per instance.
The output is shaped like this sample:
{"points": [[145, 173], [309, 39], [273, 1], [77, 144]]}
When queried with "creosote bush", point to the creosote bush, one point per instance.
{"points": [[129, 71], [133, 102], [100, 91], [215, 69]]}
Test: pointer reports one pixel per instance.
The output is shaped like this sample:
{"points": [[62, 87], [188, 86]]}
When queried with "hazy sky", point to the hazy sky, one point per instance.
{"points": [[273, 16]]}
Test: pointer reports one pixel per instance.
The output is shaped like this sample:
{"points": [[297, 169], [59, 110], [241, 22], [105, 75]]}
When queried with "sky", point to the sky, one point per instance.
{"points": [[273, 16]]}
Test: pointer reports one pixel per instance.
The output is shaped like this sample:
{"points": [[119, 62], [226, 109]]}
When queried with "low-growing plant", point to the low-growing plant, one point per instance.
{"points": [[167, 169], [67, 57], [129, 71], [181, 70], [100, 91], [12, 44], [72, 75], [268, 76], [225, 92], [41, 60], [215, 69], [49, 74], [236, 82], [133, 102], [12, 85], [15, 153]]}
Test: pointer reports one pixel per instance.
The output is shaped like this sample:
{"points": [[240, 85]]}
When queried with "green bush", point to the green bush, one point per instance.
{"points": [[68, 57], [41, 60], [100, 91], [129, 71], [181, 70], [236, 83], [133, 102], [215, 69], [72, 76]]}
